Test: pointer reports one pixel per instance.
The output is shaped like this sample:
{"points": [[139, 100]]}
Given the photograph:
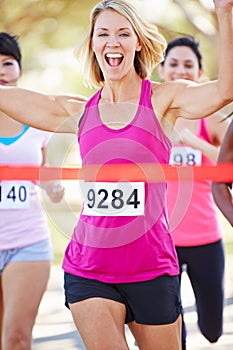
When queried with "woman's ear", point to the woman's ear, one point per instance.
{"points": [[139, 46], [201, 73]]}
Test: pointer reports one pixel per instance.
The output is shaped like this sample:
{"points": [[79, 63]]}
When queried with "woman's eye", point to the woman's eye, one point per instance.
{"points": [[102, 34], [124, 34], [8, 63]]}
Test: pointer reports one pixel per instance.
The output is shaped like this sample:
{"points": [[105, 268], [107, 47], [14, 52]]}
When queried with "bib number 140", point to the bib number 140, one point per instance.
{"points": [[14, 195], [113, 199]]}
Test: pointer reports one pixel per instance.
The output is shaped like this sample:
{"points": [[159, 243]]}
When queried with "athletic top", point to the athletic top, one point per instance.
{"points": [[22, 219], [111, 244], [194, 218]]}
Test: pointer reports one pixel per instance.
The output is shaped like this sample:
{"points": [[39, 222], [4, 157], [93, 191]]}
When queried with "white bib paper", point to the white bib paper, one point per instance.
{"points": [[185, 156], [113, 198], [14, 194]]}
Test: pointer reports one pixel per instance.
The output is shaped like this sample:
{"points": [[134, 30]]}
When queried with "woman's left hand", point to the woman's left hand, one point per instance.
{"points": [[55, 191], [187, 138]]}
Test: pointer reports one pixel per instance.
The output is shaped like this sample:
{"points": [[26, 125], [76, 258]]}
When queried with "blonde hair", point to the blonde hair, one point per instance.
{"points": [[151, 53]]}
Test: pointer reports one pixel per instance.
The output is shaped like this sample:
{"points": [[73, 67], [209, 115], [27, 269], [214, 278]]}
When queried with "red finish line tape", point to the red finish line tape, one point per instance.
{"points": [[222, 172]]}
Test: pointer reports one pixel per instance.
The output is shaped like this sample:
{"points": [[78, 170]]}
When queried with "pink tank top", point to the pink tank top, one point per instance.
{"points": [[193, 215], [117, 248]]}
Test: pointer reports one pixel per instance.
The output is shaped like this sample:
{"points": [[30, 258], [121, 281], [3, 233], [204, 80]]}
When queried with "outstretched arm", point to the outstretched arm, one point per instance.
{"points": [[51, 113], [191, 100], [221, 191]]}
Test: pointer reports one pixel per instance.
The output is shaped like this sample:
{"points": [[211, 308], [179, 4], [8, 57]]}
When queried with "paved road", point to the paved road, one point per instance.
{"points": [[54, 328]]}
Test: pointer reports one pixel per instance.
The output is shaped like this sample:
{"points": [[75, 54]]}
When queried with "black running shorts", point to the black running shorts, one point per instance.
{"points": [[153, 302]]}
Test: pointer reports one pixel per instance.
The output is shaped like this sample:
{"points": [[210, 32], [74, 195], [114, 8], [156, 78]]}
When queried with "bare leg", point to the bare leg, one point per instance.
{"points": [[23, 285], [157, 337], [100, 323]]}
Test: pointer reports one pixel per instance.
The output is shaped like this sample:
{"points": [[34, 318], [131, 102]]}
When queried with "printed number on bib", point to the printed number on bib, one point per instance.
{"points": [[185, 156], [14, 195], [113, 199]]}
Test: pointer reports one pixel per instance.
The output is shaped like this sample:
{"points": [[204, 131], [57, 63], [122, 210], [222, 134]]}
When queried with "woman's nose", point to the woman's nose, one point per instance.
{"points": [[2, 70], [181, 69], [113, 42]]}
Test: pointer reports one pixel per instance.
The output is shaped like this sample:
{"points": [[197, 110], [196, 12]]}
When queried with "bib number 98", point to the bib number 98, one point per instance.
{"points": [[185, 156]]}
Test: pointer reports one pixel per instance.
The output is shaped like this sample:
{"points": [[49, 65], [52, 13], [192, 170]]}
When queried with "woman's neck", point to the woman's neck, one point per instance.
{"points": [[9, 127], [125, 90]]}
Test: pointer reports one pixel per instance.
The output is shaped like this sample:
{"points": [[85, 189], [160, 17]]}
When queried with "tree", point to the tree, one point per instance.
{"points": [[60, 24]]}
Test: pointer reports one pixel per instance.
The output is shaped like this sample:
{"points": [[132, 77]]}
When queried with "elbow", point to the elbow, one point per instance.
{"points": [[229, 99], [226, 96]]}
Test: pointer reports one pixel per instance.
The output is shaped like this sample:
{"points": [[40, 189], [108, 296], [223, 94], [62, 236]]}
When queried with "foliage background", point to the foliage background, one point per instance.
{"points": [[50, 29]]}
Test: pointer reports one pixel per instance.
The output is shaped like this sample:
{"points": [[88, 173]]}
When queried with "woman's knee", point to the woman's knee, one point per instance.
{"points": [[17, 338]]}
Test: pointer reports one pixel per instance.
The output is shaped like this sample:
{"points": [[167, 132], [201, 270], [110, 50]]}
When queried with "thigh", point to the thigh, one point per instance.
{"points": [[98, 312], [161, 337], [206, 272], [155, 308], [23, 285], [100, 323]]}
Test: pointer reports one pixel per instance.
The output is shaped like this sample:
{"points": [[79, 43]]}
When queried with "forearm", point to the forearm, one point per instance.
{"points": [[223, 199], [207, 149], [225, 74], [189, 139]]}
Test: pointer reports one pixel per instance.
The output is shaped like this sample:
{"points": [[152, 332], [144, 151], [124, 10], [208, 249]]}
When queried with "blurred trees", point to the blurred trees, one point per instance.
{"points": [[47, 25]]}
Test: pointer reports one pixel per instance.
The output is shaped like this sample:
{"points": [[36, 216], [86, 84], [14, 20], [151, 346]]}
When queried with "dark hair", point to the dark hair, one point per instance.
{"points": [[188, 41], [9, 46]]}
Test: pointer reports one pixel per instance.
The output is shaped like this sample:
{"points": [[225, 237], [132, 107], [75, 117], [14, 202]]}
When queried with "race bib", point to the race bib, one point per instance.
{"points": [[14, 195], [113, 198], [185, 156]]}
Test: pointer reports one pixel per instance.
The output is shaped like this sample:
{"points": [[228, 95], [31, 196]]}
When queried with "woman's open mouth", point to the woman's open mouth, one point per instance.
{"points": [[114, 59]]}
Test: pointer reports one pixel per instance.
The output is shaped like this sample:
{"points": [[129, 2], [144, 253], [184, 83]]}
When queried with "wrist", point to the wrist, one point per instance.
{"points": [[223, 8]]}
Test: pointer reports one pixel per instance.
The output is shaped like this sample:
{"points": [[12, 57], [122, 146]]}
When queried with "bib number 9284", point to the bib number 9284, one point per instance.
{"points": [[113, 199]]}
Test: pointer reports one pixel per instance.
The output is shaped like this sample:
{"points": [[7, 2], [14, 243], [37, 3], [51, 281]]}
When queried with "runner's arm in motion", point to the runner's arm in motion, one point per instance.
{"points": [[190, 100], [222, 191], [51, 113]]}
